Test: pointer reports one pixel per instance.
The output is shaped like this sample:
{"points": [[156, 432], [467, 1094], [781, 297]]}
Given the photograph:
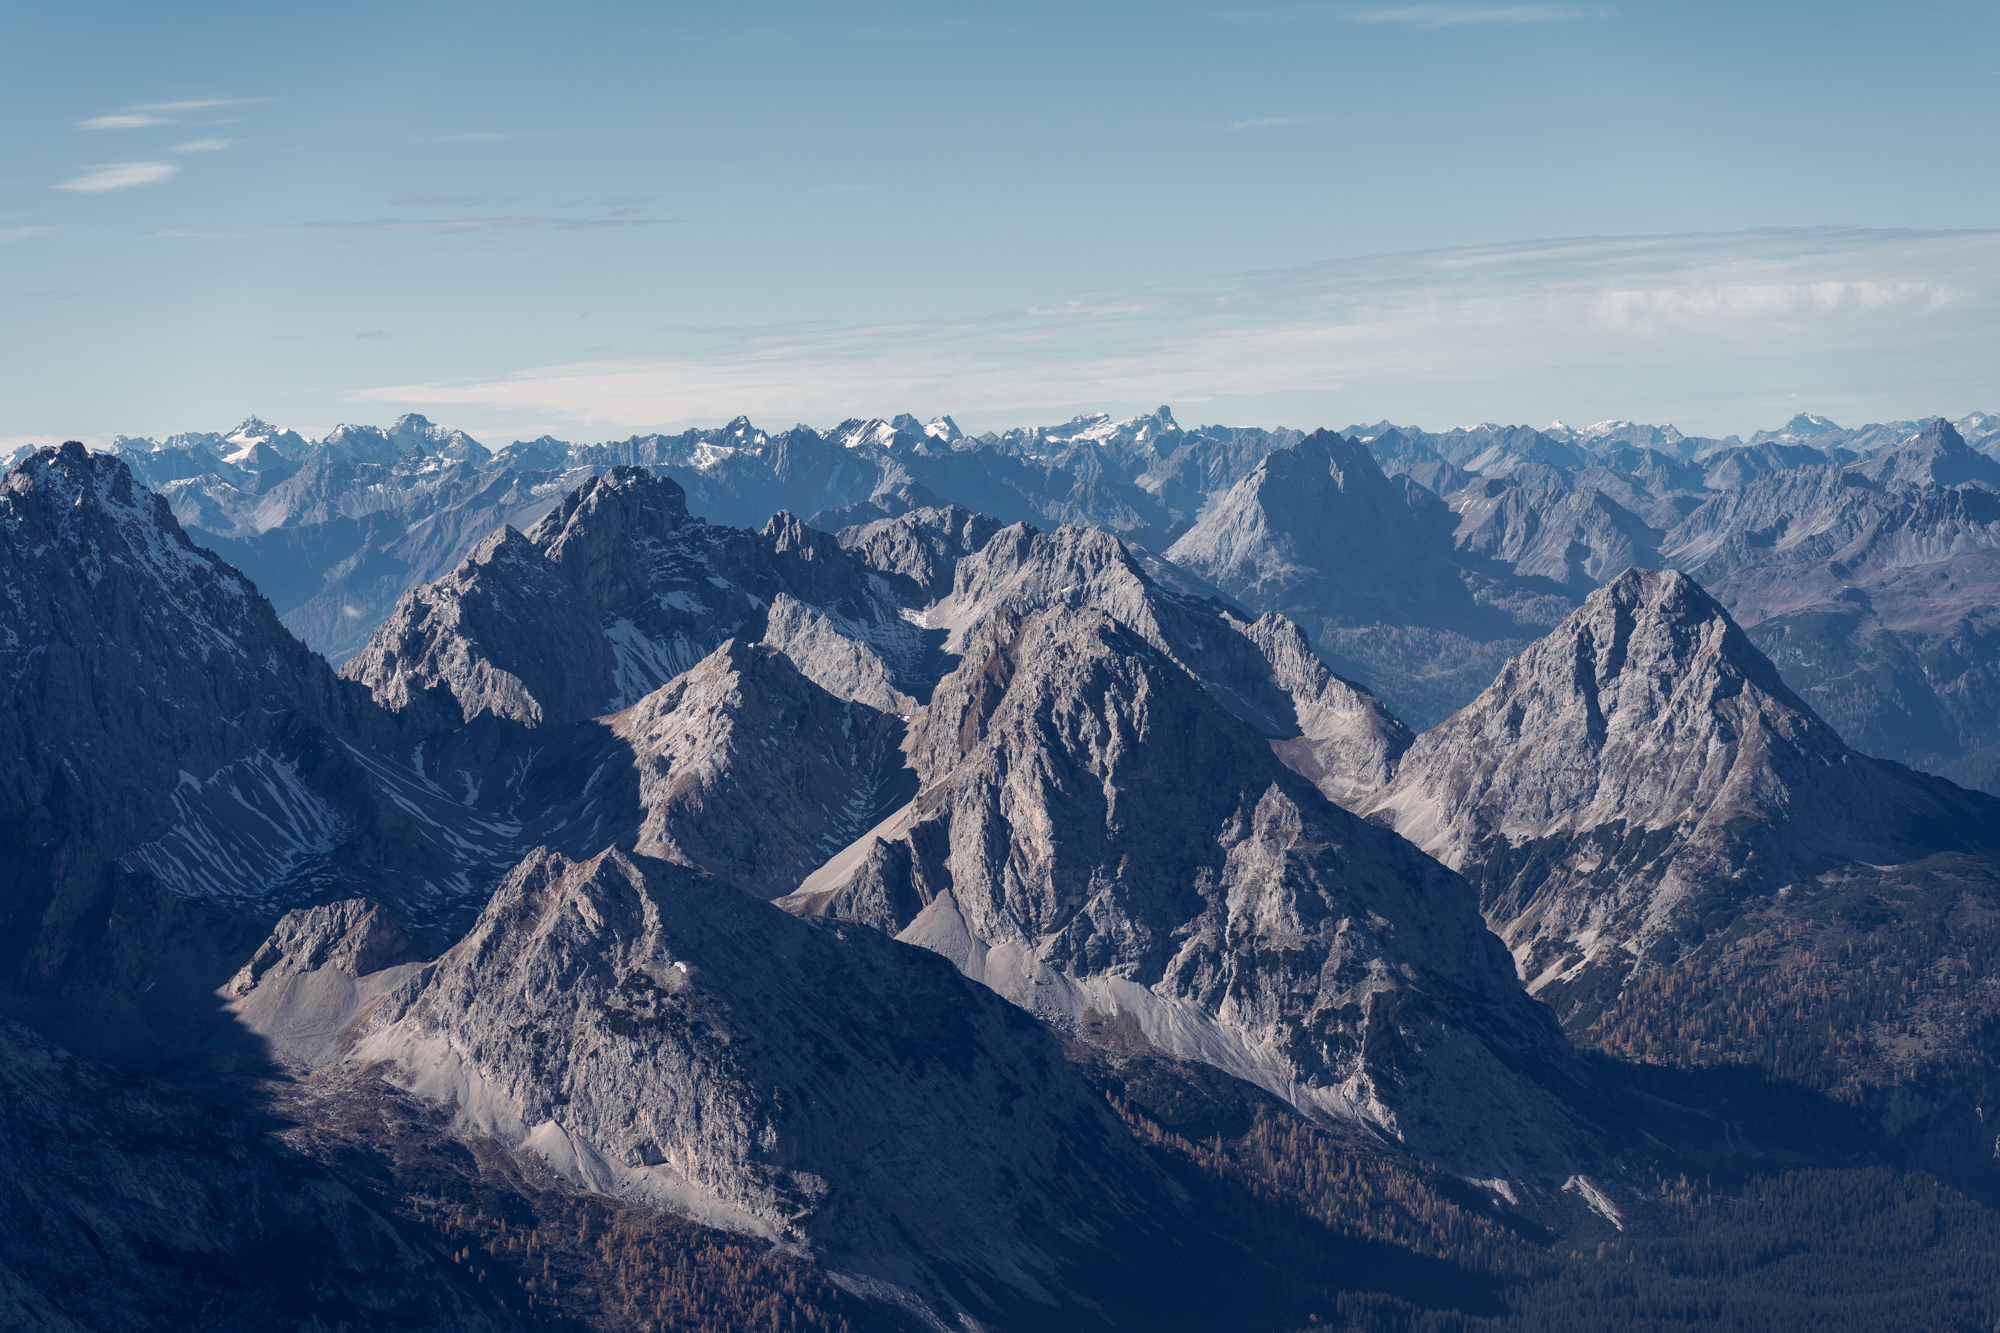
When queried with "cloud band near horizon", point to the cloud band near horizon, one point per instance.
{"points": [[1724, 325]]}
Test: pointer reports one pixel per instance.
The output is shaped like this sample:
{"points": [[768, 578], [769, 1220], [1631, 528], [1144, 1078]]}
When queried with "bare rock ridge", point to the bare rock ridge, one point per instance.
{"points": [[1256, 670], [175, 763], [920, 549], [1637, 776], [751, 770], [1059, 853], [519, 862], [1319, 535], [334, 531], [613, 593], [651, 1032], [1873, 586]]}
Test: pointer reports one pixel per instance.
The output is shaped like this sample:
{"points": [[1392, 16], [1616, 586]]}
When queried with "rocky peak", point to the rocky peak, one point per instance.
{"points": [[1648, 664], [1637, 762], [922, 546], [751, 770], [1059, 854], [625, 507], [356, 937], [1938, 456], [1322, 515], [174, 762], [648, 1031], [616, 591]]}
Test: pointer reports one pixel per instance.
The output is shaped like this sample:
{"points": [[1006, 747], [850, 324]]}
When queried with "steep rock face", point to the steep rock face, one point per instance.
{"points": [[615, 591], [750, 770], [127, 1205], [650, 1031], [1064, 852], [1577, 538], [920, 549], [1637, 776], [1321, 517], [446, 643], [1873, 586], [163, 740], [1348, 741], [1317, 534], [178, 771], [1252, 669]]}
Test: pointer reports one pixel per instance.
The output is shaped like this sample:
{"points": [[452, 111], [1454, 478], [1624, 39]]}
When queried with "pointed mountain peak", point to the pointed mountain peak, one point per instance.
{"points": [[1633, 763], [618, 510], [1937, 456]]}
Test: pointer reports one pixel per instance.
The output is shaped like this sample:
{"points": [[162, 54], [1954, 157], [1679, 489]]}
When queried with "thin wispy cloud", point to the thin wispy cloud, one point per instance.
{"points": [[23, 233], [1427, 15], [521, 222], [442, 200], [1452, 16], [202, 104], [121, 122], [188, 235], [203, 145], [120, 176], [1459, 330], [1264, 123]]}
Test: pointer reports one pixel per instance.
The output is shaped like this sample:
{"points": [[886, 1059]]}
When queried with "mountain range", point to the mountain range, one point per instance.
{"points": [[1869, 583], [1100, 876]]}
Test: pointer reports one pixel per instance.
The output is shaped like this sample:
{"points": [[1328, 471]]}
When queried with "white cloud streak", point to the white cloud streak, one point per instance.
{"points": [[1706, 317], [119, 176], [203, 145], [515, 222], [23, 233], [1452, 16], [202, 104], [1264, 123], [121, 122]]}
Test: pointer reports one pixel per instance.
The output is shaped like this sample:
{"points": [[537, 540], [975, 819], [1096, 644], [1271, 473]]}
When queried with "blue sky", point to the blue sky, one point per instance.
{"points": [[602, 219]]}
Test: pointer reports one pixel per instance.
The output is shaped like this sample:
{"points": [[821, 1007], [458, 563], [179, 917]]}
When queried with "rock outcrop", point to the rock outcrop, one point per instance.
{"points": [[646, 1030], [614, 592], [1319, 535], [1635, 777], [749, 769], [1097, 834]]}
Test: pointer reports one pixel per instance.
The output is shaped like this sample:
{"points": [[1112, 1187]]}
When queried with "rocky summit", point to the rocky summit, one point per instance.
{"points": [[1058, 853], [653, 1033], [1632, 779]]}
